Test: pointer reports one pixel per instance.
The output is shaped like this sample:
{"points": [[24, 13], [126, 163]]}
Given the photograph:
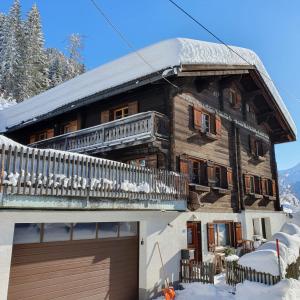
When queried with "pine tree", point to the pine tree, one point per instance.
{"points": [[36, 68], [11, 57]]}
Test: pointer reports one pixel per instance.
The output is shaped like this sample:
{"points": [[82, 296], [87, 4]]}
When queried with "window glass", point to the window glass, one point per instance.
{"points": [[82, 231], [27, 233], [218, 176], [222, 234], [189, 236], [108, 229], [205, 122], [57, 232], [128, 228]]}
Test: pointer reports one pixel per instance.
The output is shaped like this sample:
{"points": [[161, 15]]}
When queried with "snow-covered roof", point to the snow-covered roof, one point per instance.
{"points": [[161, 56]]}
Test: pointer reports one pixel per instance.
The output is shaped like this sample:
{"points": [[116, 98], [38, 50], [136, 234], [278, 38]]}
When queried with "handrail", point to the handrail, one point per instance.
{"points": [[30, 171], [141, 126]]}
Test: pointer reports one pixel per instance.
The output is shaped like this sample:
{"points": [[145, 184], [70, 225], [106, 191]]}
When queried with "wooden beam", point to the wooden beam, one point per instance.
{"points": [[212, 73], [213, 67], [265, 117]]}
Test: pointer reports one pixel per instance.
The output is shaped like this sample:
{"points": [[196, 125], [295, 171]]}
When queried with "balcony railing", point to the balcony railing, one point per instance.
{"points": [[61, 175], [136, 129]]}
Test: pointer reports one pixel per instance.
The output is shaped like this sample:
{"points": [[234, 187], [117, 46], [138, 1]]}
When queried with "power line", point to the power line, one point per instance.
{"points": [[222, 42], [127, 42]]}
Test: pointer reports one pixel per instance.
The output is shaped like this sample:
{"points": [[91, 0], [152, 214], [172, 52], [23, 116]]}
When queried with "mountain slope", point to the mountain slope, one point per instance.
{"points": [[289, 186]]}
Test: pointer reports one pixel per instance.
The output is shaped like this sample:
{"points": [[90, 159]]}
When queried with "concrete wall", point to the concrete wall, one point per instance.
{"points": [[166, 228]]}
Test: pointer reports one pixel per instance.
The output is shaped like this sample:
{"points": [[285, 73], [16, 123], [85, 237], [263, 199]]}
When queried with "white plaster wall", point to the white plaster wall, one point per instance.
{"points": [[167, 228]]}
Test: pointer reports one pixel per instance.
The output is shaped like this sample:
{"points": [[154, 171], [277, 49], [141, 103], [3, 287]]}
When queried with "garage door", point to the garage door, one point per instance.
{"points": [[99, 261]]}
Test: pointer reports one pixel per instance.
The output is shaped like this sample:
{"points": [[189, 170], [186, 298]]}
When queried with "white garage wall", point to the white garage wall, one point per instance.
{"points": [[167, 228]]}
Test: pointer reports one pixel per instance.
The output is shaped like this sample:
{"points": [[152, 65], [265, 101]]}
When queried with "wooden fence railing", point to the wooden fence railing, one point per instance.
{"points": [[29, 171], [136, 129], [236, 274], [192, 271]]}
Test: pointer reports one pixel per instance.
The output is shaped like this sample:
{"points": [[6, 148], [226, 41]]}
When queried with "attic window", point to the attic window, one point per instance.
{"points": [[234, 98], [256, 147]]}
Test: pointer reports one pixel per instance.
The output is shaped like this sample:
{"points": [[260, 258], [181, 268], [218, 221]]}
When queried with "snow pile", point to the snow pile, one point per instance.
{"points": [[292, 242], [290, 229], [287, 289], [161, 56], [231, 258], [263, 261], [283, 249]]}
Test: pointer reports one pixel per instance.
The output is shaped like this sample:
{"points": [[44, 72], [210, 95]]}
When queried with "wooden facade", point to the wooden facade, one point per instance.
{"points": [[219, 130]]}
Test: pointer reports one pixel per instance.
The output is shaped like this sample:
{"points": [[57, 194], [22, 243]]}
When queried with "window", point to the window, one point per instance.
{"points": [[84, 231], [252, 185], [27, 233], [234, 98], [140, 162], [57, 232], [222, 234], [108, 230], [70, 126], [205, 122], [218, 176], [128, 229], [41, 135], [198, 172], [256, 147], [120, 113]]}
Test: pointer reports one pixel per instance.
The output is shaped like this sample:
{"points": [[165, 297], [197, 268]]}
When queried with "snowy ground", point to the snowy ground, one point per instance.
{"points": [[287, 289]]}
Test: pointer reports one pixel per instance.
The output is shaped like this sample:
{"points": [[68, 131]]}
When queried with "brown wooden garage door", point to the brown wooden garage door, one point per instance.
{"points": [[86, 269]]}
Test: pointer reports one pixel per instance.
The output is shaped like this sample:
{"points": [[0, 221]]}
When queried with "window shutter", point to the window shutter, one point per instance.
{"points": [[184, 166], [211, 237], [50, 133], [238, 100], [133, 108], [274, 187], [263, 186], [32, 139], [210, 172], [104, 116], [252, 144], [238, 236], [229, 178], [247, 184], [197, 118], [218, 125]]}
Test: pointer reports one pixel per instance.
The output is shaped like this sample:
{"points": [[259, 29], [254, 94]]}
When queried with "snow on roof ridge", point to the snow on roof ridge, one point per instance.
{"points": [[162, 55]]}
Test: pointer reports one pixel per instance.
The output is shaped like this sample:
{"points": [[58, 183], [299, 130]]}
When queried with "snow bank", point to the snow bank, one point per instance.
{"points": [[4, 103], [287, 289], [263, 261], [291, 229], [283, 249], [161, 56], [292, 242]]}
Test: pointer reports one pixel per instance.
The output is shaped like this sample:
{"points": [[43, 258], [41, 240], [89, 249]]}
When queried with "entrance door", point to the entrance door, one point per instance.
{"points": [[194, 238]]}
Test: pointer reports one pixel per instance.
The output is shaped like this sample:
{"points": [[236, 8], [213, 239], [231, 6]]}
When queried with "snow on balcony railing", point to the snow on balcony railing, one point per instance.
{"points": [[29, 171]]}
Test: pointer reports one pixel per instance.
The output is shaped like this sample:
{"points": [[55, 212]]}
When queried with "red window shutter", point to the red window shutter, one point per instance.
{"points": [[184, 166], [50, 133], [211, 237], [229, 178], [247, 184], [274, 188], [264, 183], [218, 125], [238, 100], [104, 116], [210, 172], [238, 236], [197, 118], [132, 108]]}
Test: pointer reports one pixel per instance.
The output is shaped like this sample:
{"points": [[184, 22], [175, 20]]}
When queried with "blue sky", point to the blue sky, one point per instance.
{"points": [[270, 28]]}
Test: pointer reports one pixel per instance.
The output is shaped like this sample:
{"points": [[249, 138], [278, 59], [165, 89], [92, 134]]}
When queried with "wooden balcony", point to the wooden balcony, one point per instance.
{"points": [[130, 131], [35, 178]]}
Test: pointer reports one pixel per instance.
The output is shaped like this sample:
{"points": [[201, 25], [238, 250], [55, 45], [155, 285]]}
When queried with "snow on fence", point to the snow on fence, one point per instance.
{"points": [[237, 274], [29, 171], [192, 271]]}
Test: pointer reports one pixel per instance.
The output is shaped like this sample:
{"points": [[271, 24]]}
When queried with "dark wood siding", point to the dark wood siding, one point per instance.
{"points": [[96, 269]]}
